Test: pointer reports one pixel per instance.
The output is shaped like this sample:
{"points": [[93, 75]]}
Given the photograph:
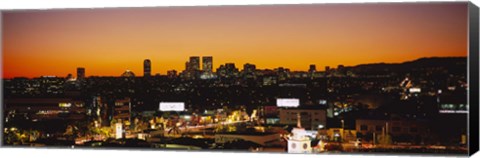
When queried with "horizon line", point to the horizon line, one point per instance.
{"points": [[200, 63]]}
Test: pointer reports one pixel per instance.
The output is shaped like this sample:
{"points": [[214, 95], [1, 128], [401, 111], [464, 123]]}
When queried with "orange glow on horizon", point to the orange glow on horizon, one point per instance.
{"points": [[108, 41]]}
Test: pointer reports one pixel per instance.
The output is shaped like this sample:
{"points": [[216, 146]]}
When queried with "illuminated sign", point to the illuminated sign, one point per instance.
{"points": [[453, 108], [172, 106], [415, 90], [288, 102], [118, 131], [453, 111]]}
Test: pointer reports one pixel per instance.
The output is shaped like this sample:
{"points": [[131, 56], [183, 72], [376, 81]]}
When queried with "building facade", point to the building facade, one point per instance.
{"points": [[410, 131], [80, 73], [310, 118], [147, 68], [122, 110]]}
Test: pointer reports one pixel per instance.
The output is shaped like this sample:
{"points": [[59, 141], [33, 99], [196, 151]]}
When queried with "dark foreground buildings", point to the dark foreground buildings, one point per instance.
{"points": [[411, 103]]}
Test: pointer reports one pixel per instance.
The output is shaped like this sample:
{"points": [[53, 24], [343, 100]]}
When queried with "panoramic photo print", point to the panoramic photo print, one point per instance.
{"points": [[315, 79]]}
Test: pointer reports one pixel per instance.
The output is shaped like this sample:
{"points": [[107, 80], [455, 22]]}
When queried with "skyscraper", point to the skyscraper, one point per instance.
{"points": [[207, 67], [327, 70], [80, 73], [207, 64], [195, 63], [231, 70], [249, 70], [341, 70], [147, 68], [312, 68], [193, 68], [187, 66], [221, 71]]}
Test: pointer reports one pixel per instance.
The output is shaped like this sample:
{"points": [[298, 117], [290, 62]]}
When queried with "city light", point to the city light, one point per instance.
{"points": [[236, 82]]}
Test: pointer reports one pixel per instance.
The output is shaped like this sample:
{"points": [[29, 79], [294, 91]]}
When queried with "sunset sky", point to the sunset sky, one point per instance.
{"points": [[108, 41]]}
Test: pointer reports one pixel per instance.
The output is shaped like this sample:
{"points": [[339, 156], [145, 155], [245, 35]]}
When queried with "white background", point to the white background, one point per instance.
{"points": [[51, 153]]}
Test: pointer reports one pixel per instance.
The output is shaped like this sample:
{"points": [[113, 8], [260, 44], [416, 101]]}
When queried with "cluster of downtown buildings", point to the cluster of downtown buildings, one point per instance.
{"points": [[387, 105], [228, 70]]}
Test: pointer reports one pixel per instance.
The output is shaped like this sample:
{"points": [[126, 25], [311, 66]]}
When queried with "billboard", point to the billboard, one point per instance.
{"points": [[453, 108], [288, 102], [172, 106], [415, 90]]}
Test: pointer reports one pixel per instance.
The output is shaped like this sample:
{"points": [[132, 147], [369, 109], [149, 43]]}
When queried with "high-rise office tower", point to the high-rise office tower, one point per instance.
{"points": [[231, 70], [207, 67], [80, 73], [195, 63], [341, 70], [222, 71], [187, 66], [147, 68], [327, 70], [207, 64], [249, 68], [193, 68], [312, 68]]}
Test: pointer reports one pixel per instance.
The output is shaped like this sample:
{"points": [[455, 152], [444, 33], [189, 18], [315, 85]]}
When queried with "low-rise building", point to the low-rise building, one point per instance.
{"points": [[37, 109], [263, 139], [122, 109], [400, 130], [311, 118], [337, 134]]}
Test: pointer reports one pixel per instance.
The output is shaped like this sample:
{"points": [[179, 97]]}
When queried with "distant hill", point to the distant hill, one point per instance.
{"points": [[453, 65]]}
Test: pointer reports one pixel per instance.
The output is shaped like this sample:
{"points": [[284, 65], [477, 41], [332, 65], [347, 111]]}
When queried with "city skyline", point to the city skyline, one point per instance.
{"points": [[241, 67], [56, 42], [310, 79]]}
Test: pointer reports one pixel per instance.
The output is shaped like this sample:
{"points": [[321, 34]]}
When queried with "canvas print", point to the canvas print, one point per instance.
{"points": [[309, 78]]}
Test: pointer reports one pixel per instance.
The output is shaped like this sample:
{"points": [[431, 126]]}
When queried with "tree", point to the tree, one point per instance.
{"points": [[220, 128], [17, 136], [98, 130]]}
